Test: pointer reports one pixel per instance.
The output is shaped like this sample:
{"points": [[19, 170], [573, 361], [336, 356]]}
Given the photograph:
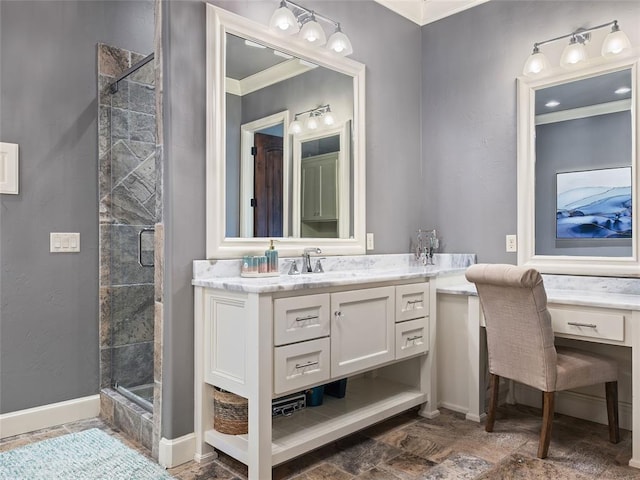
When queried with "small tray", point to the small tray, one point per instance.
{"points": [[259, 275]]}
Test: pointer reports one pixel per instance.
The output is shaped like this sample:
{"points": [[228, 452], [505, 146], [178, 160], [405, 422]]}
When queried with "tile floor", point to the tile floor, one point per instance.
{"points": [[409, 447]]}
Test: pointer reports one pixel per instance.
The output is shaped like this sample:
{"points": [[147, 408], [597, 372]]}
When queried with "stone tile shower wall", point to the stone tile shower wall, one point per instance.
{"points": [[129, 191]]}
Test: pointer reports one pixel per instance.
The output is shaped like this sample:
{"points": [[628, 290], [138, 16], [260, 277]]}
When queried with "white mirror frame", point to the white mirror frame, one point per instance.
{"points": [[565, 264], [219, 23]]}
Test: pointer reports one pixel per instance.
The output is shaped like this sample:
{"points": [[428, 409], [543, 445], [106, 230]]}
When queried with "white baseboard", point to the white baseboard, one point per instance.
{"points": [[577, 405], [37, 418], [177, 451]]}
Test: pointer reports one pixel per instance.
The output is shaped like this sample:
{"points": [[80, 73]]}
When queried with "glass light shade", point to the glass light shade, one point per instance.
{"points": [[340, 43], [295, 127], [328, 119], [536, 63], [284, 21], [573, 54], [614, 43], [313, 33], [311, 123]]}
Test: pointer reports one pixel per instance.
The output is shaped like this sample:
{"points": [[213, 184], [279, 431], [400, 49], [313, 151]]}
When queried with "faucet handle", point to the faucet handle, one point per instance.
{"points": [[318, 268], [293, 270]]}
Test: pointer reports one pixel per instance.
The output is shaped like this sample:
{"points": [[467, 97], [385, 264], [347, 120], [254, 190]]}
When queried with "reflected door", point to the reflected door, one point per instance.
{"points": [[267, 199]]}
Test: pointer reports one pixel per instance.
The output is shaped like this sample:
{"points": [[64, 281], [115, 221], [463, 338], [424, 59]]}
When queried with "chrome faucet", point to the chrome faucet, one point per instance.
{"points": [[306, 258]]}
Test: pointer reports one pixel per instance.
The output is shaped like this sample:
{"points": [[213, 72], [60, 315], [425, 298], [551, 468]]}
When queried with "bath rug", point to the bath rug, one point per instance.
{"points": [[87, 455]]}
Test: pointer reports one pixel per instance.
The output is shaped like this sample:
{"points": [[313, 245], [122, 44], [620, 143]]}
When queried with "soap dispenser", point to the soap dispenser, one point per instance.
{"points": [[272, 257]]}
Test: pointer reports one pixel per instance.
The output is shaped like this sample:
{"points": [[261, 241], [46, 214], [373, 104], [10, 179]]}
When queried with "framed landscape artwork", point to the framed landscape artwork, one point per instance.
{"points": [[594, 204]]}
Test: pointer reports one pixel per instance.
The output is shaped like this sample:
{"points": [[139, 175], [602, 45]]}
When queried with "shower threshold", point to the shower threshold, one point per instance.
{"points": [[141, 395]]}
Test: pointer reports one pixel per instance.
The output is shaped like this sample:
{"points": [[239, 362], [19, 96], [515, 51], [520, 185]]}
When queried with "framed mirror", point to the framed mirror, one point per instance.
{"points": [[257, 83], [578, 171]]}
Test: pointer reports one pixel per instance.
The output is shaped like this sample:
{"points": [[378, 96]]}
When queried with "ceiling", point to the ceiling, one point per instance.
{"points": [[427, 11]]}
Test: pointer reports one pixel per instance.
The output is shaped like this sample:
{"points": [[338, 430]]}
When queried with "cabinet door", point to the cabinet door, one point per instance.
{"points": [[310, 207], [362, 329]]}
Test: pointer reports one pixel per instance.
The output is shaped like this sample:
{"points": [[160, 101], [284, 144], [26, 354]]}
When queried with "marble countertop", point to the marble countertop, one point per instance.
{"points": [[588, 298], [339, 271]]}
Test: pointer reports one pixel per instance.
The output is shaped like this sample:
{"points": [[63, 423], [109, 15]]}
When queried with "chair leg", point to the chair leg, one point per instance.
{"points": [[494, 382], [611, 389], [547, 422]]}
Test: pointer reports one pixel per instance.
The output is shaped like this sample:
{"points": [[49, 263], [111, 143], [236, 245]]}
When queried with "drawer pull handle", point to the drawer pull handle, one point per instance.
{"points": [[413, 302], [304, 365], [588, 325], [414, 338], [308, 317]]}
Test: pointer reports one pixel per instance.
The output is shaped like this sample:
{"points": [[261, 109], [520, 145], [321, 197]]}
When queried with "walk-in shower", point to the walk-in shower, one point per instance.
{"points": [[129, 186]]}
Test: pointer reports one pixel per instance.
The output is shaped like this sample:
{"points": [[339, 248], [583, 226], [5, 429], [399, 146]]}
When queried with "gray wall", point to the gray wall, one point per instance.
{"points": [[394, 165], [470, 62], [48, 105]]}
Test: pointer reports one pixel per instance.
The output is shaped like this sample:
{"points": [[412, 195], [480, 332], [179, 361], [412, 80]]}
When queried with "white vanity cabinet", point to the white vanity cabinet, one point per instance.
{"points": [[264, 345]]}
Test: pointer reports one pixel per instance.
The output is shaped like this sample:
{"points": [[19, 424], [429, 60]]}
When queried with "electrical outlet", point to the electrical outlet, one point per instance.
{"points": [[369, 241], [512, 243]]}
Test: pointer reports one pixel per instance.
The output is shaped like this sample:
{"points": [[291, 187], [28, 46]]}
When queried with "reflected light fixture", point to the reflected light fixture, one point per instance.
{"points": [[291, 18], [283, 20], [317, 118], [575, 53]]}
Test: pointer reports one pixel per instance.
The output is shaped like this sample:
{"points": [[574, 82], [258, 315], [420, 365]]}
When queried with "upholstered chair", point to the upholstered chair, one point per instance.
{"points": [[520, 345]]}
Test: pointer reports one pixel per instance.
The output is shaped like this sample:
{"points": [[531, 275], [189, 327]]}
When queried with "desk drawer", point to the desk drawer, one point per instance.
{"points": [[297, 319], [588, 323], [412, 301], [299, 365]]}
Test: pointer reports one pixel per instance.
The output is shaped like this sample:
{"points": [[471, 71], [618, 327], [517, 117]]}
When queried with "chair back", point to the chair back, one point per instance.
{"points": [[519, 332]]}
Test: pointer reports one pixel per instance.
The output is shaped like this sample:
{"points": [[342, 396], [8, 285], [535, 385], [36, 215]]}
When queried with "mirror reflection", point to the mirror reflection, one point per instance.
{"points": [[583, 174], [265, 89]]}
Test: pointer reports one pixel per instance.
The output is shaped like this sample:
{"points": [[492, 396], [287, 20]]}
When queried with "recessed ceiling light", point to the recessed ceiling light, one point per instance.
{"points": [[623, 90], [552, 103]]}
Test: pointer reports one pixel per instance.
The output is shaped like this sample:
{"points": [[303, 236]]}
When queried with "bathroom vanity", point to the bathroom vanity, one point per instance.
{"points": [[267, 338]]}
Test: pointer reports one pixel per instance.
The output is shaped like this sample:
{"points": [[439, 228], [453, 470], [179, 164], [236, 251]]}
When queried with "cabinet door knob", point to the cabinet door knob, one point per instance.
{"points": [[337, 313]]}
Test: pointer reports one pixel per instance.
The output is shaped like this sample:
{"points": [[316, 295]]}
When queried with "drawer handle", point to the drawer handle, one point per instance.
{"points": [[308, 317], [414, 338], [304, 365], [588, 325], [413, 303]]}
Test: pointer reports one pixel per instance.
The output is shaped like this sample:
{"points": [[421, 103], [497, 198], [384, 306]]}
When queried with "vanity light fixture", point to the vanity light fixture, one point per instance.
{"points": [[317, 117], [291, 18], [575, 53]]}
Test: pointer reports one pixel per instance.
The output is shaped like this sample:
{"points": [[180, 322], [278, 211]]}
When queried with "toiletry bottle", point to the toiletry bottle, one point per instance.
{"points": [[272, 257]]}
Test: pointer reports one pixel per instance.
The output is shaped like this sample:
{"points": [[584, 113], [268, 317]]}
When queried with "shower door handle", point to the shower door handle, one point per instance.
{"points": [[144, 230]]}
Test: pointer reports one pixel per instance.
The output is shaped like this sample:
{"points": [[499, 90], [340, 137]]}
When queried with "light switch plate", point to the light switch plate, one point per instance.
{"points": [[60, 242], [9, 168], [512, 243], [369, 241]]}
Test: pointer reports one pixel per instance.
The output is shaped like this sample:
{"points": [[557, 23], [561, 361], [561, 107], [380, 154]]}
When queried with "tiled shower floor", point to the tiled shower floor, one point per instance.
{"points": [[409, 447]]}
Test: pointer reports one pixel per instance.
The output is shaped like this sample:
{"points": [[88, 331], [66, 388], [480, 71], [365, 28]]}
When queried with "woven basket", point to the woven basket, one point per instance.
{"points": [[230, 413]]}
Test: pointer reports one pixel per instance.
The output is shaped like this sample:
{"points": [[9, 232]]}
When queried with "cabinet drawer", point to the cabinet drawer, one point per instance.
{"points": [[300, 365], [412, 301], [300, 318], [412, 337], [588, 323]]}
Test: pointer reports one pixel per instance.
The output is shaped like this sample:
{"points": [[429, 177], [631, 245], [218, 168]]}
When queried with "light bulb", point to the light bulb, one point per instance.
{"points": [[615, 42], [312, 32], [311, 123], [573, 54], [536, 63], [339, 43], [295, 127], [328, 119], [284, 21]]}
